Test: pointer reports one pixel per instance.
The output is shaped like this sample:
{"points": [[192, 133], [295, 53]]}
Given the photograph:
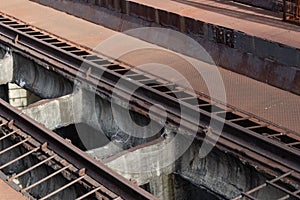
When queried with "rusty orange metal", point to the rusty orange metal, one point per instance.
{"points": [[291, 11]]}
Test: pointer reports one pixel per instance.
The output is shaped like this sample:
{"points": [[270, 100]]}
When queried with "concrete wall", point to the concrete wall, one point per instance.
{"points": [[267, 61], [223, 174], [40, 81], [29, 75], [105, 120], [186, 190]]}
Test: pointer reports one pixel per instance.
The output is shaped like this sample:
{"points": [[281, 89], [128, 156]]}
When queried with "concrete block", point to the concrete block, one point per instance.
{"points": [[19, 92], [56, 113], [143, 164]]}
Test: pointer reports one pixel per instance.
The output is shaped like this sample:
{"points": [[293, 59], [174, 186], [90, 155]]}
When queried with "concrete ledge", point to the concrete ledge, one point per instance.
{"points": [[274, 5]]}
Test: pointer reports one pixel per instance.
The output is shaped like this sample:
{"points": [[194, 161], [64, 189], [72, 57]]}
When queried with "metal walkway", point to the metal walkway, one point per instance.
{"points": [[52, 150]]}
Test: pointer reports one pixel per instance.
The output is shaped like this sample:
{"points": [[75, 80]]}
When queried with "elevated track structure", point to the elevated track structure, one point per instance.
{"points": [[274, 148]]}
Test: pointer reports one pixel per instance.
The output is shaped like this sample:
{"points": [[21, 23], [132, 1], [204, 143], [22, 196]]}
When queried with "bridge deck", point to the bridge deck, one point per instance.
{"points": [[270, 103]]}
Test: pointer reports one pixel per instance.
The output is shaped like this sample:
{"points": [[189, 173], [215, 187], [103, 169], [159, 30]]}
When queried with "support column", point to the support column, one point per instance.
{"points": [[143, 163], [6, 68], [6, 75], [56, 113], [163, 187]]}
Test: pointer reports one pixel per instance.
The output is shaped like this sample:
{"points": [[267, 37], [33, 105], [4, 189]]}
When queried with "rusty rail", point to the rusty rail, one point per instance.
{"points": [[35, 138], [275, 183], [291, 11], [249, 132]]}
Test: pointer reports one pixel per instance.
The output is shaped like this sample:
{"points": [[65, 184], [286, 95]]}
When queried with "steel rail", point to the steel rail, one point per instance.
{"points": [[98, 171], [249, 139]]}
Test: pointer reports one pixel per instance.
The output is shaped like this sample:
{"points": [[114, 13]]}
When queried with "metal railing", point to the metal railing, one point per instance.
{"points": [[288, 193], [291, 11]]}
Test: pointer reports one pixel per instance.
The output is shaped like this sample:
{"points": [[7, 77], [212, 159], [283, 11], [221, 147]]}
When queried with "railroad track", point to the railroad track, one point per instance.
{"points": [[53, 150], [249, 132]]}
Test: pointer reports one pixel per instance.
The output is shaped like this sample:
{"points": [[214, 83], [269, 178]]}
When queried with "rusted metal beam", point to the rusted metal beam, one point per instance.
{"points": [[79, 159]]}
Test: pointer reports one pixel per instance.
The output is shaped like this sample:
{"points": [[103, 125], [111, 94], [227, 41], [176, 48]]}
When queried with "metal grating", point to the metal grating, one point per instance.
{"points": [[275, 183], [47, 157]]}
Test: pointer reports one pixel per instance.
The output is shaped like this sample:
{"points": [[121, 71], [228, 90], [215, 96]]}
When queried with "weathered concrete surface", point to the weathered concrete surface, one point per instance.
{"points": [[58, 112], [163, 187], [108, 118], [101, 153], [184, 189], [223, 174], [144, 164], [203, 170], [19, 97], [6, 68], [39, 80], [32, 75], [85, 107]]}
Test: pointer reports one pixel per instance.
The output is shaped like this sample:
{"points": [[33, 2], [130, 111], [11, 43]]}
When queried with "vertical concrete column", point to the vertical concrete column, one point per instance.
{"points": [[6, 74], [163, 187], [6, 68]]}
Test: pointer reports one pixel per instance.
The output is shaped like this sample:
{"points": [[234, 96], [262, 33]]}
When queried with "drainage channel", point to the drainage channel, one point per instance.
{"points": [[251, 132], [94, 178]]}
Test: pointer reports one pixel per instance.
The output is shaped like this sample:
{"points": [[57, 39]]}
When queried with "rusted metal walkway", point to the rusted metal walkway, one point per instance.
{"points": [[276, 183], [53, 150], [8, 192]]}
